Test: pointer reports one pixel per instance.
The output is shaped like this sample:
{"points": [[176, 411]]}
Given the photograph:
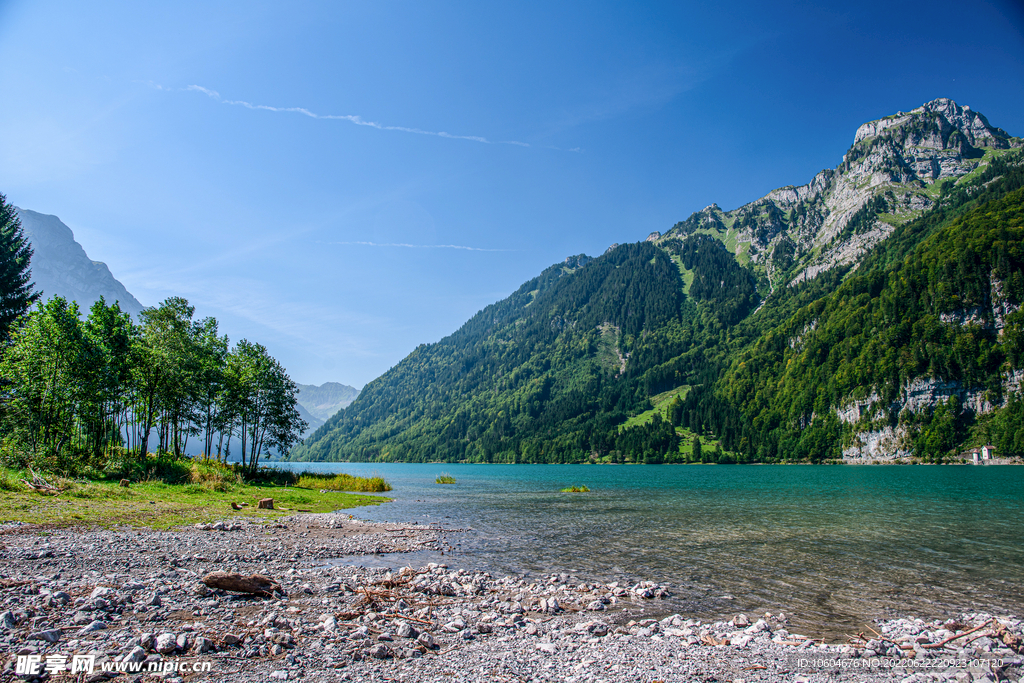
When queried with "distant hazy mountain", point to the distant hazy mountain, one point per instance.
{"points": [[60, 266], [313, 422], [323, 401]]}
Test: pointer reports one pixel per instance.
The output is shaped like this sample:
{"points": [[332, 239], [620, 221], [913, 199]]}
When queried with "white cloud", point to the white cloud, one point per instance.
{"points": [[351, 118], [414, 246]]}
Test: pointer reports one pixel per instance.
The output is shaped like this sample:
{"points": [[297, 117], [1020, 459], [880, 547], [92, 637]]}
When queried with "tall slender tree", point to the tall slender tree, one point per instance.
{"points": [[16, 291], [261, 401]]}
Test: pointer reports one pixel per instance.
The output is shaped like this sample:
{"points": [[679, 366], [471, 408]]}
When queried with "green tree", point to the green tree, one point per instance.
{"points": [[110, 334], [169, 373], [260, 403], [212, 356], [47, 366], [16, 295]]}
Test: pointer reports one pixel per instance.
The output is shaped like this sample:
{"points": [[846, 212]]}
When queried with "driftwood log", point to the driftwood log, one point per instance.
{"points": [[266, 504], [257, 584], [39, 484]]}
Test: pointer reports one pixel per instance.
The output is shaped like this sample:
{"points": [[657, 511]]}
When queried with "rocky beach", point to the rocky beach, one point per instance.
{"points": [[136, 604]]}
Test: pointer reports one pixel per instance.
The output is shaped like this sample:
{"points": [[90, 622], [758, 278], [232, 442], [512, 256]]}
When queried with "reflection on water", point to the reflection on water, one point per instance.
{"points": [[833, 546]]}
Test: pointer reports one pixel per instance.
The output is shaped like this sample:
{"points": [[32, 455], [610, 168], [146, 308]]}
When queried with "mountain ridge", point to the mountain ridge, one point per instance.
{"points": [[61, 267], [564, 369], [325, 400]]}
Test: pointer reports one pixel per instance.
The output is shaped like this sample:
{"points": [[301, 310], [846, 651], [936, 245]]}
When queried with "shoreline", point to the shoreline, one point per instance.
{"points": [[118, 592], [851, 461]]}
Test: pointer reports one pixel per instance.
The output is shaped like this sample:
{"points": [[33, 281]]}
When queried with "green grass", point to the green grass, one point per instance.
{"points": [[156, 504], [661, 403], [989, 156], [342, 482], [444, 478], [576, 489], [685, 273]]}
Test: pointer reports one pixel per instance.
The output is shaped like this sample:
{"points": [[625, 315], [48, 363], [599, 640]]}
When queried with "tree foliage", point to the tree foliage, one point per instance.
{"points": [[16, 295], [944, 307], [96, 392]]}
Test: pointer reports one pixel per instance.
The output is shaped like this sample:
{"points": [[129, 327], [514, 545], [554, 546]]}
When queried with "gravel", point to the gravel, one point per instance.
{"points": [[136, 598]]}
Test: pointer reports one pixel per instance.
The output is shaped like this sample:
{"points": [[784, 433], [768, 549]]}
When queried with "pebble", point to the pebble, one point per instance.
{"points": [[438, 621]]}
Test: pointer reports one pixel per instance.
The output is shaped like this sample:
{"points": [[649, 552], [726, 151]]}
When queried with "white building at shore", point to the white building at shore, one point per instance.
{"points": [[982, 455]]}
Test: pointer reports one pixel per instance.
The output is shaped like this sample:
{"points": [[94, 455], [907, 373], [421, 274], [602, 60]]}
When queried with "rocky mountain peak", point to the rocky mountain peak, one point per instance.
{"points": [[933, 123], [889, 175], [577, 261]]}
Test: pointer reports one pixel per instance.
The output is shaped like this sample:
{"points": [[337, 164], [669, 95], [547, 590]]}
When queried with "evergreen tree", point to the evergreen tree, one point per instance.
{"points": [[696, 449], [16, 295]]}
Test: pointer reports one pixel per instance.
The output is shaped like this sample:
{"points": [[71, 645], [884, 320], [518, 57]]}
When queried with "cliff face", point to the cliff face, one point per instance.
{"points": [[60, 266], [893, 172]]}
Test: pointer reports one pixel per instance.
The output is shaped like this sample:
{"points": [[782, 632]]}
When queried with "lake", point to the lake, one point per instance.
{"points": [[832, 546]]}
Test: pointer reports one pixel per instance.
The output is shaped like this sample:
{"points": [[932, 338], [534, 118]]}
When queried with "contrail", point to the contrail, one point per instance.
{"points": [[415, 246], [357, 120]]}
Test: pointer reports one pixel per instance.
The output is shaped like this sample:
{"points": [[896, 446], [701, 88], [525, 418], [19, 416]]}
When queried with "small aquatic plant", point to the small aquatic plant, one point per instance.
{"points": [[342, 482], [576, 489], [444, 478]]}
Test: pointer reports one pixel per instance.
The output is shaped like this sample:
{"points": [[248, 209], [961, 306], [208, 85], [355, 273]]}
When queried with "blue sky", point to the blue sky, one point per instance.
{"points": [[342, 181]]}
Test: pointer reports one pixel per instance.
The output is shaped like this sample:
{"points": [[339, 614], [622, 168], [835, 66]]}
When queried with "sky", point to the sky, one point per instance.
{"points": [[343, 181]]}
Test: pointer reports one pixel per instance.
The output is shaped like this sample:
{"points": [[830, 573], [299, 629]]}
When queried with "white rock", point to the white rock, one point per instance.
{"points": [[741, 641], [165, 643]]}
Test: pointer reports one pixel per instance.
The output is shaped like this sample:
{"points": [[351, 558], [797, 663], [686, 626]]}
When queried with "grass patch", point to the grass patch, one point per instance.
{"points": [[159, 505], [576, 489], [342, 482], [444, 478], [661, 403]]}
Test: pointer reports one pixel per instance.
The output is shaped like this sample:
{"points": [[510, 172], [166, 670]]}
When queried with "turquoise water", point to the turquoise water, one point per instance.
{"points": [[831, 546]]}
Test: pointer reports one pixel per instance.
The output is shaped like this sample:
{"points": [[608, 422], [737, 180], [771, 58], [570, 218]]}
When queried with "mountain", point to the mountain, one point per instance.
{"points": [[893, 172], [312, 423], [60, 266], [323, 401], [873, 312]]}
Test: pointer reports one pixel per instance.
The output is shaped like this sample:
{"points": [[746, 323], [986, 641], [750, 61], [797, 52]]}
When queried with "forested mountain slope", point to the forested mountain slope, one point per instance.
{"points": [[916, 353], [818, 318]]}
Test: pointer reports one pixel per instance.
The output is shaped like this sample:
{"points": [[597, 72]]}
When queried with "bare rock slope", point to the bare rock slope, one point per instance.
{"points": [[60, 266], [892, 173]]}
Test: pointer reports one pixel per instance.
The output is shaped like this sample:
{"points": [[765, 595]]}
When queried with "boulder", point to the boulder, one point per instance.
{"points": [[50, 636], [405, 630], [165, 643]]}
